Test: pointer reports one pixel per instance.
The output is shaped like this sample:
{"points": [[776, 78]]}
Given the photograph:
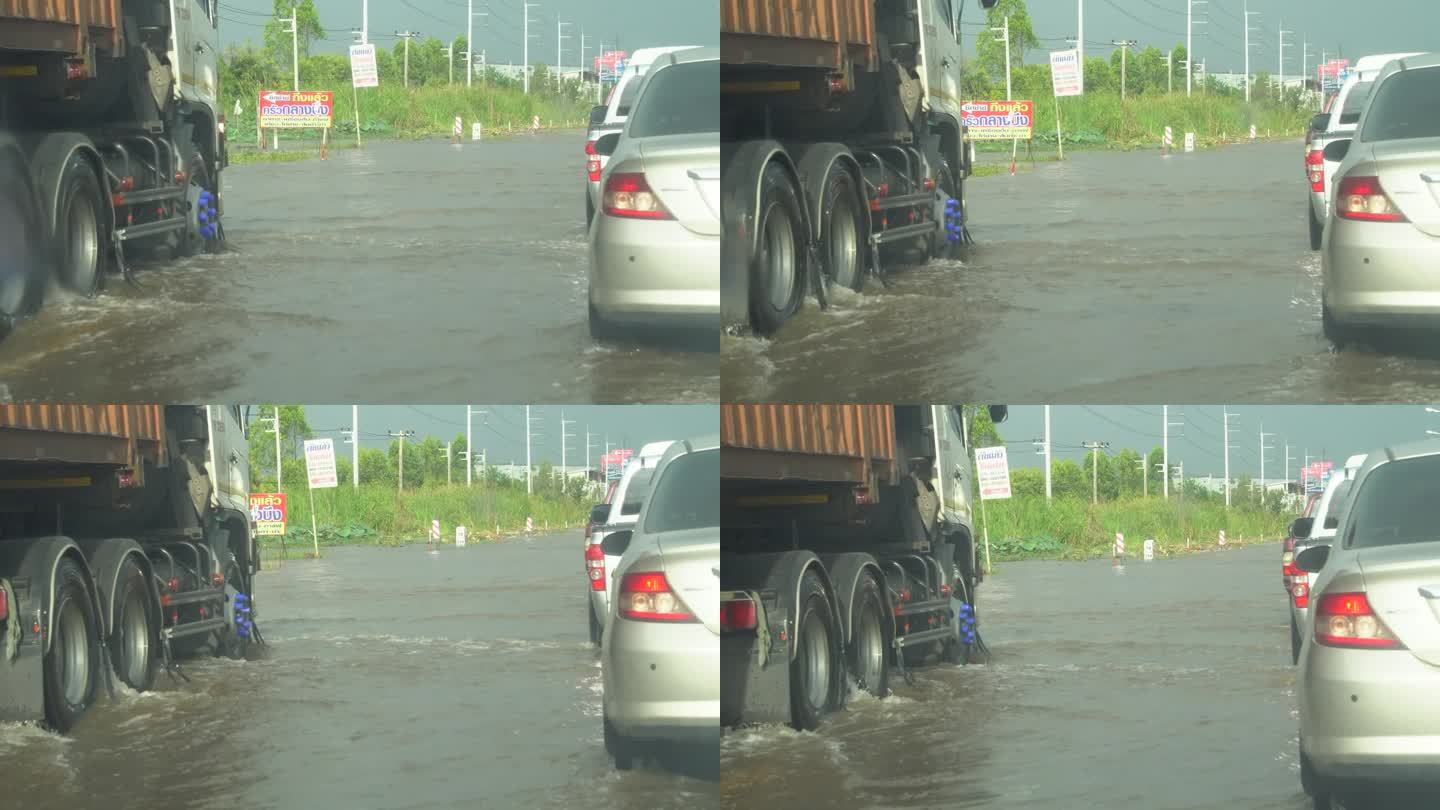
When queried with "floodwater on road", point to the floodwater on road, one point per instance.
{"points": [[407, 269], [1163, 685], [1110, 277], [395, 678]]}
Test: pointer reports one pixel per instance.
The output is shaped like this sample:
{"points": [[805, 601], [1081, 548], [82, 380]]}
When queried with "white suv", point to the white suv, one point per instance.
{"points": [[601, 559]]}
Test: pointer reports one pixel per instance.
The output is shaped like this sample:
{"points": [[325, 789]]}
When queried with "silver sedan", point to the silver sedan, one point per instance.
{"points": [[1369, 681], [1381, 245], [655, 242]]}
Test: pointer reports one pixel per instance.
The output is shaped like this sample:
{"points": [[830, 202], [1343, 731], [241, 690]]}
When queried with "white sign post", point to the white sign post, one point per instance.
{"points": [[477, 132], [320, 469], [459, 536], [1149, 549], [1066, 79], [363, 73], [1189, 142], [992, 465]]}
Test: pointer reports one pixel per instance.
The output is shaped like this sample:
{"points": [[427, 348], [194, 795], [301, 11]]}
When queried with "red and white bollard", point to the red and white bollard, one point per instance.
{"points": [[529, 525], [1167, 143]]}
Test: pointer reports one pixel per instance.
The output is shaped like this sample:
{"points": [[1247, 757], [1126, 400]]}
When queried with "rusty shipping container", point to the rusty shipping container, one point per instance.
{"points": [[119, 435], [843, 443], [798, 33], [59, 25]]}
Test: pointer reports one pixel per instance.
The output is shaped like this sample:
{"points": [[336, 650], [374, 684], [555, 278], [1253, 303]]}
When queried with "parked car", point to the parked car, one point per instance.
{"points": [[610, 117], [661, 654], [655, 244], [1287, 549], [1339, 122], [605, 545], [1318, 528], [1382, 241], [1370, 670]]}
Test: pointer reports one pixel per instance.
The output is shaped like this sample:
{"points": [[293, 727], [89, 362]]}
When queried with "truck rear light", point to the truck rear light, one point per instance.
{"points": [[646, 596], [1362, 198], [929, 184], [628, 195], [595, 566], [1300, 590], [1315, 167], [173, 585], [125, 479], [738, 615], [4, 606], [1346, 620]]}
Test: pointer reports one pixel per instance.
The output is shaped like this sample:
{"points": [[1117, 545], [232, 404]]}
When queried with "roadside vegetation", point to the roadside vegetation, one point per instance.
{"points": [[1154, 95], [427, 107], [380, 512]]}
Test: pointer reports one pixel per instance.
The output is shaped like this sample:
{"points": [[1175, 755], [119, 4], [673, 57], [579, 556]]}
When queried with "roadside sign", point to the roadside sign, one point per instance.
{"points": [[267, 509], [363, 71], [1189, 142], [1065, 73], [993, 468], [1149, 549], [460, 536], [283, 109], [613, 463], [476, 131], [998, 120], [320, 463]]}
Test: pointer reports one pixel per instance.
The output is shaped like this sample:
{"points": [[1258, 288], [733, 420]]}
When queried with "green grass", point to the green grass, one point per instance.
{"points": [[1104, 121], [1071, 528], [377, 515], [394, 111]]}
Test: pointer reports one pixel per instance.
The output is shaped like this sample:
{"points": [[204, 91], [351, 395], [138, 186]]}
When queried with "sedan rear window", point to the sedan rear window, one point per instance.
{"points": [[1396, 504], [1355, 102], [687, 495], [679, 100], [1407, 105]]}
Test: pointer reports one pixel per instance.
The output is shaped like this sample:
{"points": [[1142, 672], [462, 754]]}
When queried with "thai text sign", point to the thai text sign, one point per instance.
{"points": [[1065, 73], [998, 120], [282, 109], [267, 509], [993, 466]]}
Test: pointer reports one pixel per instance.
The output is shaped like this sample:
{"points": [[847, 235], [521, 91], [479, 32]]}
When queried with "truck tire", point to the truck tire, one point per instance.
{"points": [[869, 647], [132, 645], [816, 676], [779, 267], [841, 229], [25, 259], [81, 234], [72, 666]]}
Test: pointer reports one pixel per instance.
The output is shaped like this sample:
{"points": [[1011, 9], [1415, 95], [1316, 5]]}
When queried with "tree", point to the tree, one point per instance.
{"points": [[1027, 482], [1067, 480], [376, 467], [983, 432], [294, 430], [990, 48], [278, 40]]}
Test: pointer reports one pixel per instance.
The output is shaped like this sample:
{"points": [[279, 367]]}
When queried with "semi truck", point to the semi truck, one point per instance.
{"points": [[848, 552], [111, 143], [841, 135], [126, 544]]}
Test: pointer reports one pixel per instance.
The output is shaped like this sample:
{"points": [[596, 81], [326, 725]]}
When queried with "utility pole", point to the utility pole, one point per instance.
{"points": [[1079, 38], [447, 463], [1124, 45], [1304, 60], [470, 40], [1263, 448], [294, 33], [525, 68], [450, 61], [401, 435], [588, 444], [1165, 425], [1144, 476], [1169, 72], [1248, 15], [1004, 32], [1288, 458], [1190, 23], [364, 22], [355, 448], [1226, 413], [564, 441], [559, 48], [279, 463], [407, 36], [1094, 448], [470, 413], [582, 56], [1047, 454], [529, 475], [1280, 89]]}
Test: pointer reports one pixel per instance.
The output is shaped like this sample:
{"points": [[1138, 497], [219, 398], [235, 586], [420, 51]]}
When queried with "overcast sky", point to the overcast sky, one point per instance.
{"points": [[634, 23], [1332, 432], [501, 431], [1351, 27]]}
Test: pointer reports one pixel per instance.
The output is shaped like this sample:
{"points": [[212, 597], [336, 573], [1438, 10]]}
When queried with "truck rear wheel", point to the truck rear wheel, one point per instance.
{"points": [[24, 258], [80, 229], [869, 654], [841, 227], [72, 666], [815, 675], [132, 646], [778, 269]]}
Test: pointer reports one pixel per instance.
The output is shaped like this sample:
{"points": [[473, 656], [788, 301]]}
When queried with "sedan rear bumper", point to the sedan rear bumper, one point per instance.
{"points": [[662, 681], [1367, 711], [1381, 273], [642, 270]]}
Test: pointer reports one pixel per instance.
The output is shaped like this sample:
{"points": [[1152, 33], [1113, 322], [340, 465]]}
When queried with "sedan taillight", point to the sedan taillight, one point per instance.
{"points": [[646, 596], [628, 195], [595, 566], [1315, 168], [1362, 198], [1346, 620]]}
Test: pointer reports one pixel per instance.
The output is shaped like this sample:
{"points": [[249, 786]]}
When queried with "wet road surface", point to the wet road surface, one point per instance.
{"points": [[394, 679], [1167, 687], [1111, 277], [406, 269]]}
